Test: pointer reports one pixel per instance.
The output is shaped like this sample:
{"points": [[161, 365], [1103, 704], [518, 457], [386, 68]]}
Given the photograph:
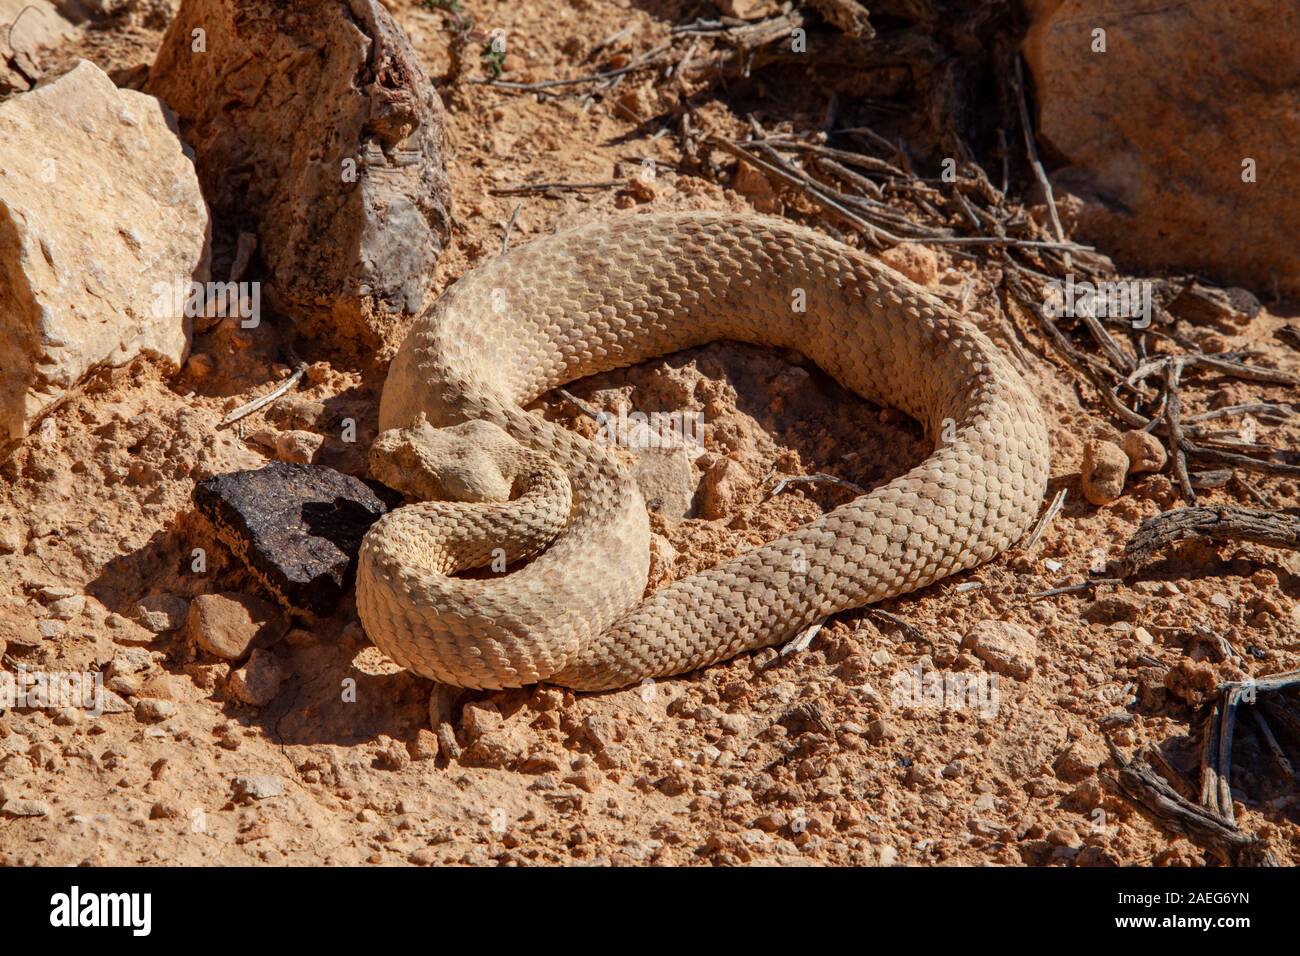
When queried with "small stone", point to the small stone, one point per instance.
{"points": [[299, 447], [615, 757], [547, 699], [1144, 452], [51, 629], [1104, 468], [599, 730], [424, 856], [25, 808], [1228, 309], [538, 762], [425, 746], [734, 724], [721, 488], [201, 366], [151, 710], [918, 263], [479, 719], [641, 188], [12, 539], [880, 730], [66, 608], [228, 735], [228, 625], [164, 687], [297, 527], [393, 756], [945, 649], [113, 703], [160, 613], [1111, 608], [588, 780], [503, 748], [259, 680], [663, 556], [1005, 647], [256, 787], [1081, 759], [747, 9], [126, 684], [1192, 681], [298, 637], [880, 657], [667, 480], [919, 777], [129, 660], [165, 810], [753, 183], [1061, 837]]}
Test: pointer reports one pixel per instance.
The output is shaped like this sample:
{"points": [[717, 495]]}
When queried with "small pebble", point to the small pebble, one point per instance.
{"points": [[1103, 471], [257, 787], [1144, 452], [25, 808], [152, 711]]}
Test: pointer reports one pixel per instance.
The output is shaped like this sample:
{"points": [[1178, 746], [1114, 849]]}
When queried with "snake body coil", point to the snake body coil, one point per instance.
{"points": [[514, 486]]}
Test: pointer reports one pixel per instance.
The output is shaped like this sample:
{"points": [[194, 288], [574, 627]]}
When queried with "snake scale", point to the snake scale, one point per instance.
{"points": [[495, 481]]}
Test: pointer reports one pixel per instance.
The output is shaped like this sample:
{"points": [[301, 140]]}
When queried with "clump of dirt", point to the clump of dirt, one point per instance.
{"points": [[968, 723]]}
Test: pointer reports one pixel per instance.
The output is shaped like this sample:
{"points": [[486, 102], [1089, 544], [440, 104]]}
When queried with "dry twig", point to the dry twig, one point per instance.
{"points": [[1223, 523], [259, 403]]}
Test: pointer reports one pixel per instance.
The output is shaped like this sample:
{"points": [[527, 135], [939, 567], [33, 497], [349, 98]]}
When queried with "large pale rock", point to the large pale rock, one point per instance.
{"points": [[315, 126], [99, 206], [1155, 130]]}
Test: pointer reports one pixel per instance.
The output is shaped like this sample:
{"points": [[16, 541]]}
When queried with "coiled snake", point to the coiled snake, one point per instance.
{"points": [[505, 482]]}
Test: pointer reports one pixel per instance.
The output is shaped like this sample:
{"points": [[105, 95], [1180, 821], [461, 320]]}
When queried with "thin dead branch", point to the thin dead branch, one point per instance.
{"points": [[1223, 523], [527, 189], [1137, 781], [785, 482], [259, 403]]}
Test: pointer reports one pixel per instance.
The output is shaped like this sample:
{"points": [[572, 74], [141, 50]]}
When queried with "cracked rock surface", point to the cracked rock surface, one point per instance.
{"points": [[315, 127]]}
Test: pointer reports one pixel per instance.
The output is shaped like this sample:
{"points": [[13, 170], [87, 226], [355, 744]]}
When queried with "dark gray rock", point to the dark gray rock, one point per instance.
{"points": [[297, 527], [315, 127]]}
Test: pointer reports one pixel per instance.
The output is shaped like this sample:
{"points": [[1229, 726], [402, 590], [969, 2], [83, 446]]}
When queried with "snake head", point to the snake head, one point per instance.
{"points": [[458, 463]]}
